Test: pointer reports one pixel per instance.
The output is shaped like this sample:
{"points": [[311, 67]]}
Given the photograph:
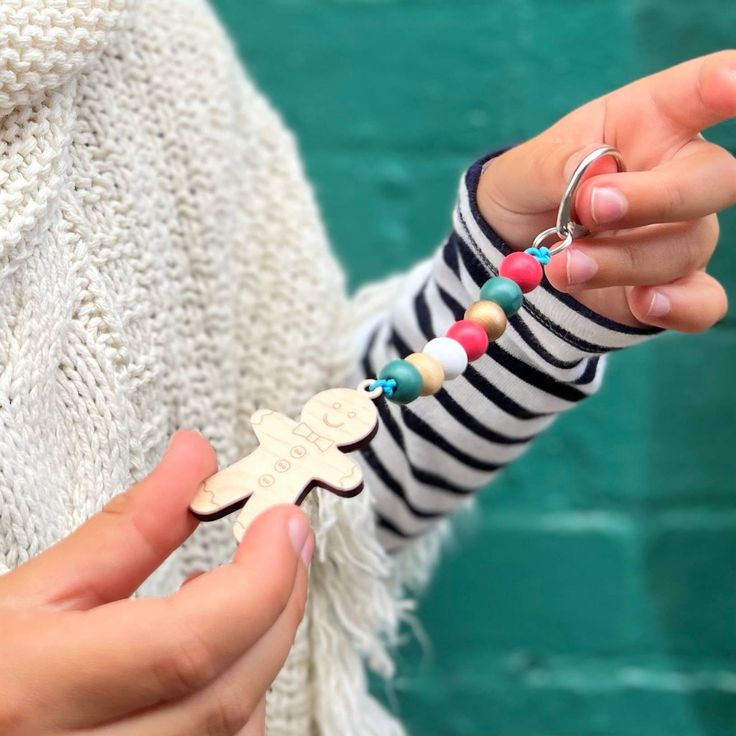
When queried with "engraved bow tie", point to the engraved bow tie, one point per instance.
{"points": [[304, 430]]}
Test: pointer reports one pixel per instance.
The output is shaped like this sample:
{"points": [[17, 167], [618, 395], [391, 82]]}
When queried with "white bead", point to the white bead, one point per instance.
{"points": [[450, 354]]}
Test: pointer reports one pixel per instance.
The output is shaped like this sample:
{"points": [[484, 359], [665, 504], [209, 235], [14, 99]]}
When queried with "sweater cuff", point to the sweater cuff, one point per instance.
{"points": [[568, 329]]}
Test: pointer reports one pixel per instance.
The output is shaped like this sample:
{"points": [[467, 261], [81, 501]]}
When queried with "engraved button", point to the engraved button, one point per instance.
{"points": [[282, 466], [297, 451], [266, 480]]}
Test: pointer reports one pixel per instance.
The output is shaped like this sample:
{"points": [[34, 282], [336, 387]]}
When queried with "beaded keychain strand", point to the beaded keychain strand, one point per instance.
{"points": [[446, 358], [294, 456]]}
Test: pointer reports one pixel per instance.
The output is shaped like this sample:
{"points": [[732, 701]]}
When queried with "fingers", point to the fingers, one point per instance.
{"points": [[694, 95], [691, 304], [232, 700], [645, 256], [699, 181], [519, 191], [168, 649], [117, 549], [653, 117]]}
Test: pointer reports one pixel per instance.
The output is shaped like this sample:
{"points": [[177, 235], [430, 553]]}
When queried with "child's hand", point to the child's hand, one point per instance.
{"points": [[76, 656], [660, 230]]}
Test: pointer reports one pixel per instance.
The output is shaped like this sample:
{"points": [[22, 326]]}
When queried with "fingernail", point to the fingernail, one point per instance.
{"points": [[308, 551], [659, 306], [298, 532], [580, 267], [607, 205]]}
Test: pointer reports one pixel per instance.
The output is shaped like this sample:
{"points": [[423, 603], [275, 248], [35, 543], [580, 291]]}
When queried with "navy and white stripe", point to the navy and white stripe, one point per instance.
{"points": [[427, 458]]}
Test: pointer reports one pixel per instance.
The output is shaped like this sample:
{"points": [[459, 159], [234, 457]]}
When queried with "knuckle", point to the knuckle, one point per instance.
{"points": [[185, 665], [672, 203], [631, 259], [692, 252], [698, 244], [226, 716]]}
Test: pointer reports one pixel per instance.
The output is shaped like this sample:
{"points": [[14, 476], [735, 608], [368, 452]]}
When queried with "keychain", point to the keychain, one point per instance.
{"points": [[293, 457]]}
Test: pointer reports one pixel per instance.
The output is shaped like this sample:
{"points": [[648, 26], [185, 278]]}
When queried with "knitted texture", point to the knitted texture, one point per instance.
{"points": [[163, 265], [45, 42]]}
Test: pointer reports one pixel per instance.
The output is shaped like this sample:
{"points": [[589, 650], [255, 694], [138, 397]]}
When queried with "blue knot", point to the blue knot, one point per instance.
{"points": [[541, 254], [387, 384]]}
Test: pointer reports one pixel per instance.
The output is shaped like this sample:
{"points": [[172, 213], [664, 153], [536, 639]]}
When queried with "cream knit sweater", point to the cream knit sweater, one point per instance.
{"points": [[163, 265]]}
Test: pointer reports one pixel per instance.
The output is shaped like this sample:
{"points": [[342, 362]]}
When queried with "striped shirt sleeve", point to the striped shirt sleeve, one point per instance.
{"points": [[430, 456]]}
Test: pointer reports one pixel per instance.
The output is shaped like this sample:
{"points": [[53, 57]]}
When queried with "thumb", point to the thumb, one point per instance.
{"points": [[520, 192], [117, 549]]}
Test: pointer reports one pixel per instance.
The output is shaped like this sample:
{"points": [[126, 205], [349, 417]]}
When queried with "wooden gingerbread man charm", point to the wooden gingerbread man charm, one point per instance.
{"points": [[293, 457]]}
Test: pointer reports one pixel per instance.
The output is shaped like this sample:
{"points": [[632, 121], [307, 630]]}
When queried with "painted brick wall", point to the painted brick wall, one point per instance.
{"points": [[594, 591]]}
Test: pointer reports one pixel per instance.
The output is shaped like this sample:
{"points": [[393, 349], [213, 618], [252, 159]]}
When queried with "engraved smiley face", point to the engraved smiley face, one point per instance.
{"points": [[338, 419], [343, 415], [336, 422]]}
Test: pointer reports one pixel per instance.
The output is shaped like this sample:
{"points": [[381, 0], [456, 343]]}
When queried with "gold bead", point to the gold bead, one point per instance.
{"points": [[490, 315], [430, 369]]}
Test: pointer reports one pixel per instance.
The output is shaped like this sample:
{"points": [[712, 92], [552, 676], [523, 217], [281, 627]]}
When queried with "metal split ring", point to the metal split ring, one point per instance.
{"points": [[568, 228], [552, 232]]}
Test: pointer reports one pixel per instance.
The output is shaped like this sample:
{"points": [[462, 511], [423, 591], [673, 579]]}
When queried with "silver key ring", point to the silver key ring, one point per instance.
{"points": [[552, 232], [568, 228]]}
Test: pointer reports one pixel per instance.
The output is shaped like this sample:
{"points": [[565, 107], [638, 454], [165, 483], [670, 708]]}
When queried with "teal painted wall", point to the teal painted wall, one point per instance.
{"points": [[594, 591]]}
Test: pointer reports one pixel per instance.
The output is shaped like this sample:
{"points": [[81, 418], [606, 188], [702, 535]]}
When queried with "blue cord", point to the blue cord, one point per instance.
{"points": [[541, 254], [387, 384]]}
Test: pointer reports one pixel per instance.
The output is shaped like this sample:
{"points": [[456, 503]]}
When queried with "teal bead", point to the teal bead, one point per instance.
{"points": [[504, 292], [409, 383]]}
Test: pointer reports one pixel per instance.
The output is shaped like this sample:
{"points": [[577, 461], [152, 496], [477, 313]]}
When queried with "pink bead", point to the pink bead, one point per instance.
{"points": [[471, 336], [523, 268]]}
